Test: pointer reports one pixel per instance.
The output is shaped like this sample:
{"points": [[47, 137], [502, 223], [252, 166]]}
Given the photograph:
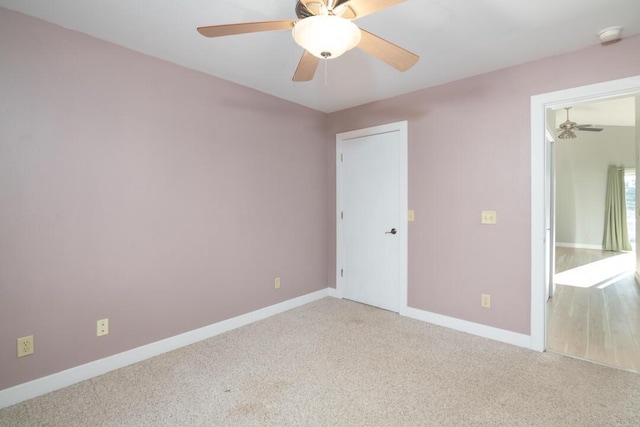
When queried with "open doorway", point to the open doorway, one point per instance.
{"points": [[540, 248], [595, 307]]}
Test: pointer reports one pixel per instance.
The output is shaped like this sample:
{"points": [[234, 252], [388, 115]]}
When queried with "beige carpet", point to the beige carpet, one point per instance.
{"points": [[336, 362]]}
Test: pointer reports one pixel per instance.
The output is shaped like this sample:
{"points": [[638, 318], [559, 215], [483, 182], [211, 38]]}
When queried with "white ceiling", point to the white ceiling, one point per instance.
{"points": [[454, 38]]}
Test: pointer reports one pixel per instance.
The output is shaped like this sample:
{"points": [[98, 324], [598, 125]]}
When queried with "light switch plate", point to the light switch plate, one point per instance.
{"points": [[489, 217], [411, 215], [485, 300]]}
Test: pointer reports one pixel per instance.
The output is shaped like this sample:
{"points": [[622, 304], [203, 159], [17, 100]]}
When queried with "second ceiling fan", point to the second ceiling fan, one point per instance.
{"points": [[568, 127], [325, 30]]}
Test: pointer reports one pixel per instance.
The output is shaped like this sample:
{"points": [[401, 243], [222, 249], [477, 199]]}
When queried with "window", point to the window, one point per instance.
{"points": [[630, 195]]}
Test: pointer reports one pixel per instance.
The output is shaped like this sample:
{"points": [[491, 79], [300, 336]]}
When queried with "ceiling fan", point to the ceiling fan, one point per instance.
{"points": [[325, 30], [567, 128]]}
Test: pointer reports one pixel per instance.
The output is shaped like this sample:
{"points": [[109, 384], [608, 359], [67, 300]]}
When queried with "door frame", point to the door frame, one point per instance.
{"points": [[629, 86], [550, 203], [403, 129]]}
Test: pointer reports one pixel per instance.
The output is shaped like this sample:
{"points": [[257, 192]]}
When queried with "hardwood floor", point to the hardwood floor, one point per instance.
{"points": [[596, 321]]}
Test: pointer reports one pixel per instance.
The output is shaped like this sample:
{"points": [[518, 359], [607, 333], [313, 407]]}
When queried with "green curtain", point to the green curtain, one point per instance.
{"points": [[616, 235]]}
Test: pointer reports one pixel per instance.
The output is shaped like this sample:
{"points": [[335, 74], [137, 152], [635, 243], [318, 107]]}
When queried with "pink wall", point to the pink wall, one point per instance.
{"points": [[167, 200], [469, 150], [138, 190]]}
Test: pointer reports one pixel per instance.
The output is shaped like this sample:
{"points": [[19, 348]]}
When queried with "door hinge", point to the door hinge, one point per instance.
{"points": [[342, 157], [341, 214], [341, 272]]}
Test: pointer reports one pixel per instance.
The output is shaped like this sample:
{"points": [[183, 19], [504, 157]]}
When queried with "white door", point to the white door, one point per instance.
{"points": [[372, 216]]}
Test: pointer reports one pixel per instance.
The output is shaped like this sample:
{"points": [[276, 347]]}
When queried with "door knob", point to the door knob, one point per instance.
{"points": [[393, 231]]}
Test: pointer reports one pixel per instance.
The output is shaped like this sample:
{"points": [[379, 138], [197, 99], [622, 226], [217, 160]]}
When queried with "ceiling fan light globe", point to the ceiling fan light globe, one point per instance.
{"points": [[326, 36], [567, 134]]}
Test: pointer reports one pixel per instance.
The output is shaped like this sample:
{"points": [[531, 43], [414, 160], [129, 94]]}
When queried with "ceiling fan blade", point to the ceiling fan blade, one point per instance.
{"points": [[399, 58], [590, 129], [361, 8], [246, 27], [306, 67]]}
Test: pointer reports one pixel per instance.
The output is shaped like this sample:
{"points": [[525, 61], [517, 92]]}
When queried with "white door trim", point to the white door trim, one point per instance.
{"points": [[539, 103], [402, 128]]}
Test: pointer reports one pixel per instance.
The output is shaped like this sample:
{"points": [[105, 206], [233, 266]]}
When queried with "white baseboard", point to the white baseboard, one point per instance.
{"points": [[579, 246], [478, 329], [40, 386]]}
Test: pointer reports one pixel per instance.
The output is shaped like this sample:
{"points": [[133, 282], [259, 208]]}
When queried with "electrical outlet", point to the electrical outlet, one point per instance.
{"points": [[486, 301], [276, 283], [25, 346], [102, 327]]}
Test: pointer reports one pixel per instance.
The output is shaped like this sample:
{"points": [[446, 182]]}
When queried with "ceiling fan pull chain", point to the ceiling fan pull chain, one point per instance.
{"points": [[325, 71]]}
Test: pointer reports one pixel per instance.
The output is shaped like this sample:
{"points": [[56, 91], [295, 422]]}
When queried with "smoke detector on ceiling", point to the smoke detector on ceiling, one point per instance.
{"points": [[610, 34]]}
